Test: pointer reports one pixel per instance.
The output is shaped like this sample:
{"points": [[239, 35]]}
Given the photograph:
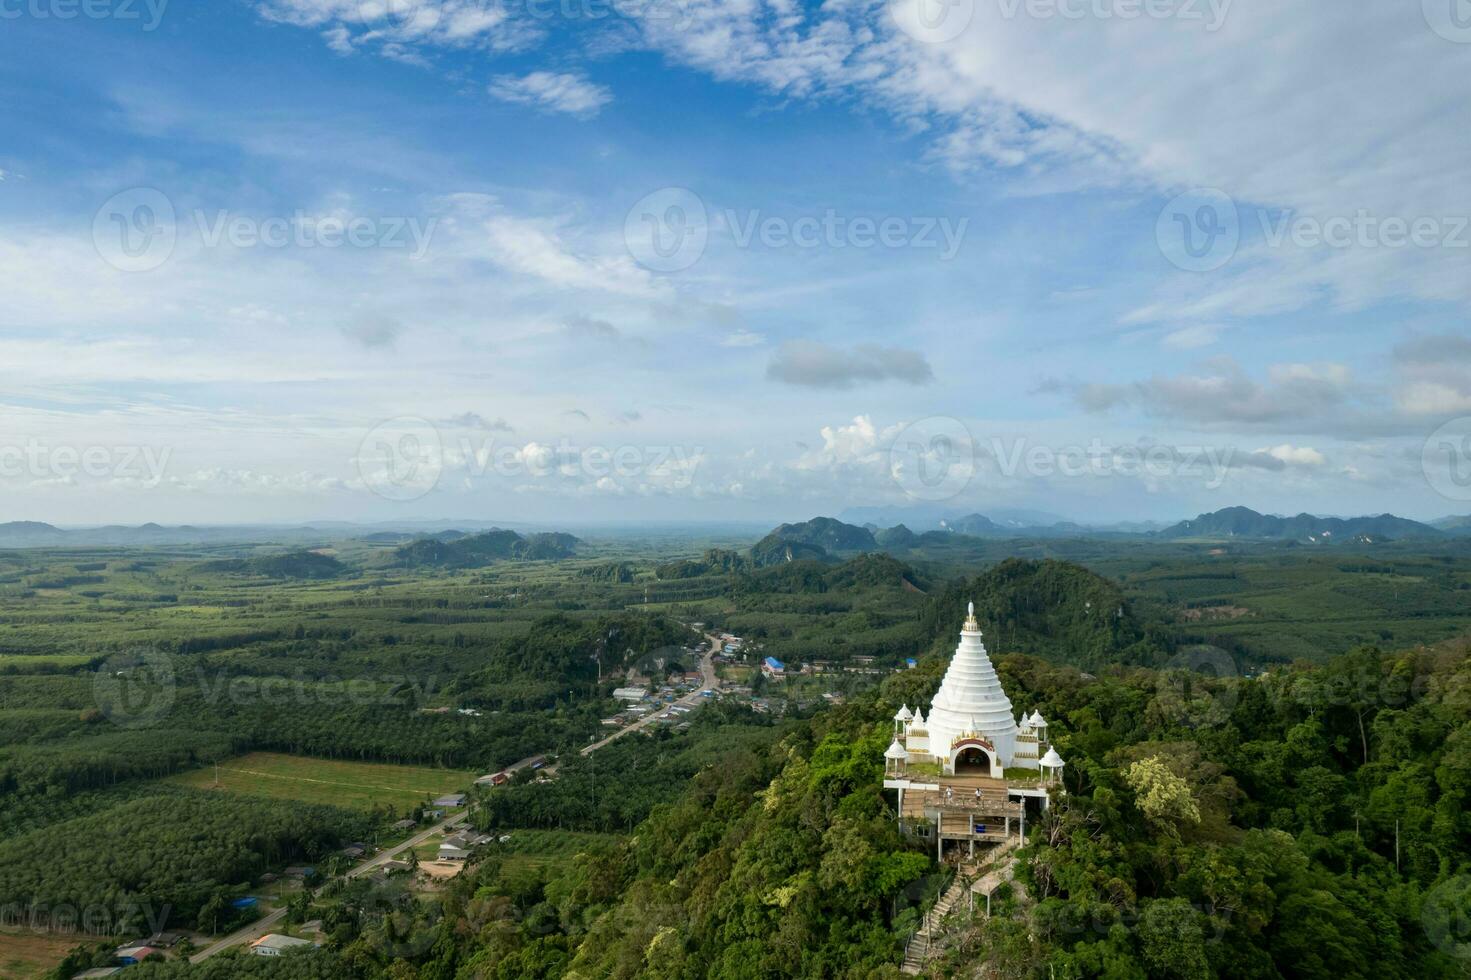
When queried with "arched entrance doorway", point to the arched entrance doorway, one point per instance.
{"points": [[975, 756], [972, 760]]}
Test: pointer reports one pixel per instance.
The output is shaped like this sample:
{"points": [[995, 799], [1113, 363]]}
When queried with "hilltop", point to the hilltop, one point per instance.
{"points": [[293, 564], [475, 550], [1053, 609], [828, 534], [1243, 522]]}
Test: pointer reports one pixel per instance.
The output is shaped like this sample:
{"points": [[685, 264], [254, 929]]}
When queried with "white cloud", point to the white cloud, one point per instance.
{"points": [[1295, 455], [535, 247], [1432, 398], [1077, 101], [396, 27], [811, 364], [742, 338], [1191, 338], [563, 92]]}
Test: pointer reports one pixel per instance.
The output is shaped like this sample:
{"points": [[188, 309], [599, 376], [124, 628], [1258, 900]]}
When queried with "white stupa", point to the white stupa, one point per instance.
{"points": [[971, 700]]}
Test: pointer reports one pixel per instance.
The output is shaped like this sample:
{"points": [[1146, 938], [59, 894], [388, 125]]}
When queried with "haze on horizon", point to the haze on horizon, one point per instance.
{"points": [[400, 260]]}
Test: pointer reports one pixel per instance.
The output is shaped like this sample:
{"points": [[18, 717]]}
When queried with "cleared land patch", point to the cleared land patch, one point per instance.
{"points": [[24, 953], [357, 785]]}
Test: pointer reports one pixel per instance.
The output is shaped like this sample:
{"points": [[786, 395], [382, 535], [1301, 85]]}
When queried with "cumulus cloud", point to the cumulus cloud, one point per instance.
{"points": [[1286, 455], [401, 29], [1190, 338], [474, 420], [1434, 375], [564, 92], [811, 364], [742, 338], [539, 248], [1223, 392], [580, 328], [375, 331]]}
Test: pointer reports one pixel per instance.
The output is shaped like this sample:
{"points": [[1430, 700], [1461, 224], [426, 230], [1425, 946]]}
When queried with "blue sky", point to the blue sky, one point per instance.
{"points": [[900, 265]]}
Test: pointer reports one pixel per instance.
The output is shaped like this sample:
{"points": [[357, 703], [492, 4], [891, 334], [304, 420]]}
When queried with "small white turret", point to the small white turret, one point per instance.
{"points": [[1051, 766]]}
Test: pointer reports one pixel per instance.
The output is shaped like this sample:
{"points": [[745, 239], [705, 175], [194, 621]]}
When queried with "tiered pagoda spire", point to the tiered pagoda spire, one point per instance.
{"points": [[971, 700]]}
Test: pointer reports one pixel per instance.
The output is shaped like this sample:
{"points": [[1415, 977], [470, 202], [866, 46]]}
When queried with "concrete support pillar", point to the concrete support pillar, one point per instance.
{"points": [[939, 841]]}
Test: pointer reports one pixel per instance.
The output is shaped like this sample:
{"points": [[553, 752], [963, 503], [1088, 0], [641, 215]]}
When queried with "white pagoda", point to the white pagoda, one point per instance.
{"points": [[970, 727], [951, 768]]}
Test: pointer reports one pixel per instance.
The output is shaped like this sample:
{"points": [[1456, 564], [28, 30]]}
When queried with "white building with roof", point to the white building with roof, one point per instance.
{"points": [[970, 727], [951, 768]]}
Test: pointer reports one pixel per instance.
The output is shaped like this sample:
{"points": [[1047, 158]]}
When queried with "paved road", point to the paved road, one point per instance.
{"points": [[710, 682], [263, 925], [250, 933]]}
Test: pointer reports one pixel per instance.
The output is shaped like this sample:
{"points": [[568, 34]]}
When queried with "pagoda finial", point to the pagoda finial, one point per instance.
{"points": [[972, 625]]}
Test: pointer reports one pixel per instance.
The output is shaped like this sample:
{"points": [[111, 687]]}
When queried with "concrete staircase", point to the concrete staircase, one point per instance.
{"points": [[929, 941]]}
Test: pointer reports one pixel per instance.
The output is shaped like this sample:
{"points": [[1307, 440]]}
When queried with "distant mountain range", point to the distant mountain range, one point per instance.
{"points": [[1243, 522], [822, 536], [34, 534], [430, 542], [476, 550]]}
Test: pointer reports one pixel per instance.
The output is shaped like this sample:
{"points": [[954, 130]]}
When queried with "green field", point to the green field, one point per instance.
{"points": [[24, 953], [356, 785]]}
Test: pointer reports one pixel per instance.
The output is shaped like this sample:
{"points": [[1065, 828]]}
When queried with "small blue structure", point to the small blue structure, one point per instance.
{"points": [[248, 902], [911, 663], [773, 667]]}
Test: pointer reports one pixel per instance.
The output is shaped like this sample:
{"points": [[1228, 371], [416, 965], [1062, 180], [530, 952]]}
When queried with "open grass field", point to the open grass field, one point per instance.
{"points": [[25, 954], [356, 785], [18, 663], [532, 854]]}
